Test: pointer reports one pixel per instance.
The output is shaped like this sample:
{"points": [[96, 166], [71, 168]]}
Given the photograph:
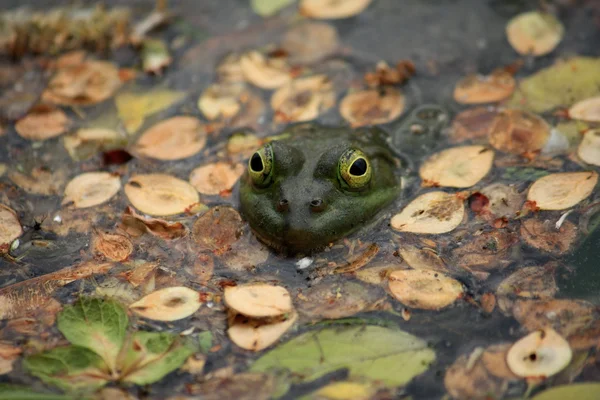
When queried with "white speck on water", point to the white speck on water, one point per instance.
{"points": [[304, 263], [57, 218], [210, 304], [561, 220], [188, 331]]}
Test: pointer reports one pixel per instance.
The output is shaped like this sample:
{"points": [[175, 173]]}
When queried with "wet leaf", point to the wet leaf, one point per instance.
{"points": [[459, 167], [540, 354], [243, 144], [150, 356], [518, 132], [96, 324], [586, 110], [560, 85], [40, 181], [222, 100], [216, 178], [17, 392], [564, 316], [579, 391], [113, 246], [71, 368], [91, 189], [562, 190], [266, 8], [526, 283], [241, 386], [589, 148], [133, 108], [85, 143], [266, 73], [426, 289], [472, 124], [257, 335], [371, 107], [155, 56], [503, 200], [477, 89], [369, 352], [534, 33], [485, 251], [217, 229], [42, 122], [332, 9], [303, 99], [10, 227], [136, 225], [422, 258], [160, 194], [172, 139], [310, 42], [432, 212], [543, 235], [346, 391], [8, 355], [258, 300], [168, 304]]}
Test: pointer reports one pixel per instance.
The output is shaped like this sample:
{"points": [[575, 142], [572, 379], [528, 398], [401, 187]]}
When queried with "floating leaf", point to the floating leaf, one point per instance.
{"points": [[136, 225], [266, 8], [559, 85], [543, 235], [17, 392], [562, 190], [42, 122], [10, 227], [172, 139], [96, 324], [217, 229], [526, 283], [534, 33], [303, 99], [160, 194], [113, 246], [332, 9], [564, 316], [369, 352], [586, 110], [371, 107], [472, 124], [85, 143], [168, 304], [459, 167], [133, 108], [426, 289], [149, 356], [542, 354], [432, 212], [516, 131], [222, 100], [422, 258], [258, 300], [579, 391], [216, 178], [91, 189], [266, 73], [310, 42], [346, 390], [71, 368], [589, 148], [477, 89], [257, 335]]}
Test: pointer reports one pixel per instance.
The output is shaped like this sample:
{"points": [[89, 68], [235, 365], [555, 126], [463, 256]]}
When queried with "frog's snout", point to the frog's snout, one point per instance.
{"points": [[316, 205]]}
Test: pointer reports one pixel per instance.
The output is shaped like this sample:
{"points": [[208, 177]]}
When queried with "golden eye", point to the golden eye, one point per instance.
{"points": [[355, 169], [260, 166]]}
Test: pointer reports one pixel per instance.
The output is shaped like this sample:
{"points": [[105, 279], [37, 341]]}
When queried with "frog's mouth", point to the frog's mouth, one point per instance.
{"points": [[286, 245]]}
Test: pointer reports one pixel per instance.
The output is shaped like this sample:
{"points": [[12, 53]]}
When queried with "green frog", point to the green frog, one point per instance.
{"points": [[315, 184]]}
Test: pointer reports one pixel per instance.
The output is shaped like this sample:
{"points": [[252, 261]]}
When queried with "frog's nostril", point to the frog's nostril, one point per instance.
{"points": [[283, 205], [317, 205]]}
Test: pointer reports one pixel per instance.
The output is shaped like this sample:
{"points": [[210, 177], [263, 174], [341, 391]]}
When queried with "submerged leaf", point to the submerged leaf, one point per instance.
{"points": [[18, 392], [266, 8], [96, 324], [133, 108], [390, 356], [71, 368], [579, 391]]}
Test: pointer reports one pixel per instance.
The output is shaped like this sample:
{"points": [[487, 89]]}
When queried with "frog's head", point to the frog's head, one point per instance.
{"points": [[300, 195]]}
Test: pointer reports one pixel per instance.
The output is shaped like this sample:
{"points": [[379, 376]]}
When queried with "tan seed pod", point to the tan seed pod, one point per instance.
{"points": [[172, 139], [258, 300], [432, 212], [534, 33], [256, 335], [540, 354], [91, 189], [168, 304], [426, 289], [160, 194], [332, 9], [458, 167], [562, 190]]}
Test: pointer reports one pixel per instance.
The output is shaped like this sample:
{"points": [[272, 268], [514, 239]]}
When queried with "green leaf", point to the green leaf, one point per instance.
{"points": [[70, 368], [579, 391], [388, 355], [205, 339], [150, 356], [266, 8], [96, 324], [16, 392], [560, 85]]}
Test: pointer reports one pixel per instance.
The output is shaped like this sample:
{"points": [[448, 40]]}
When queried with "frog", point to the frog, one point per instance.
{"points": [[315, 184]]}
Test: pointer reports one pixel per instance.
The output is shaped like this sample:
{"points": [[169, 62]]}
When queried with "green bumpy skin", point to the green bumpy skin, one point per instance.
{"points": [[316, 184]]}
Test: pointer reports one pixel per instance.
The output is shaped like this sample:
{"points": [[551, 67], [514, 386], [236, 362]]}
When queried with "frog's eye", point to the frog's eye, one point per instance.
{"points": [[260, 166], [355, 169]]}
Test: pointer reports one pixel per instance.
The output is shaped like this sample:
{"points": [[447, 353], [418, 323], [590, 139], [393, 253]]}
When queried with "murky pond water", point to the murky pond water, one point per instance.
{"points": [[428, 300]]}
